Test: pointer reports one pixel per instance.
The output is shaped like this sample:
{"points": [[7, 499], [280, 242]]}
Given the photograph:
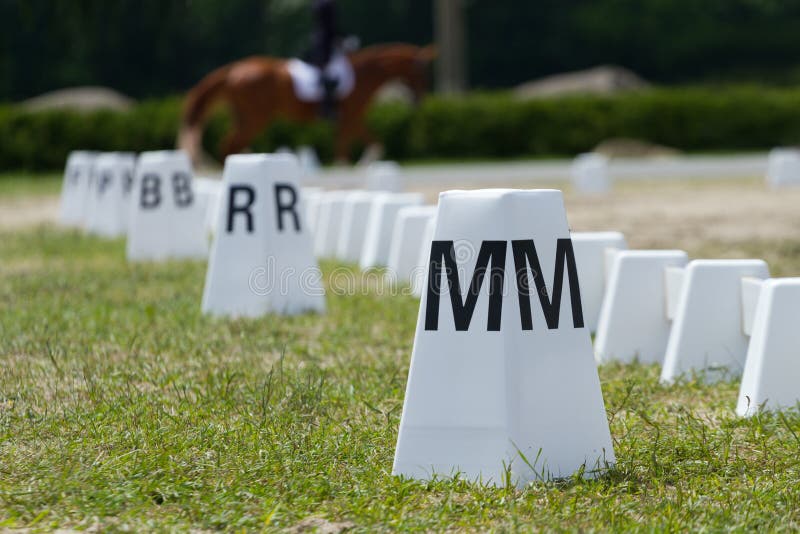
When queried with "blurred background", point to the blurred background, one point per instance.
{"points": [[685, 75]]}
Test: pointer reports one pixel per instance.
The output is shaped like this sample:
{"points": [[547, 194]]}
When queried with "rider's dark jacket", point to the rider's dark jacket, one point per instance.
{"points": [[325, 33]]}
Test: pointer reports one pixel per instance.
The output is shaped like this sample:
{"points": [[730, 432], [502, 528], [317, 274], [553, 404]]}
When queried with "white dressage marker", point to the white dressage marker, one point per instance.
{"points": [[108, 202], [590, 254], [590, 174], [209, 197], [707, 333], [329, 223], [503, 376], [673, 285], [261, 258], [312, 196], [770, 377], [783, 168], [309, 162], [633, 320], [384, 176], [380, 226], [78, 178], [310, 191], [423, 258], [404, 253], [751, 290], [354, 225], [165, 220]]}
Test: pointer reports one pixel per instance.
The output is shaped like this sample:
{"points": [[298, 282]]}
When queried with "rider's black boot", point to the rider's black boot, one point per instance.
{"points": [[328, 110]]}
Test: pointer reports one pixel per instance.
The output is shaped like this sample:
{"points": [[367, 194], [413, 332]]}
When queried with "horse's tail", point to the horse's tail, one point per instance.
{"points": [[195, 110]]}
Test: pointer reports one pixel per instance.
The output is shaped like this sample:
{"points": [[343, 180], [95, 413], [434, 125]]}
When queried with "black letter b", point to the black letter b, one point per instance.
{"points": [[151, 191]]}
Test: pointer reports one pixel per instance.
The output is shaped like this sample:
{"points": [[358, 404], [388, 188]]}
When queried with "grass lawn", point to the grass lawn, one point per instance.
{"points": [[15, 184], [123, 408]]}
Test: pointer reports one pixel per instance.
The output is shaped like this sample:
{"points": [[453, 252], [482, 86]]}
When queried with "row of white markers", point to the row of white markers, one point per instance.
{"points": [[503, 373], [591, 174]]}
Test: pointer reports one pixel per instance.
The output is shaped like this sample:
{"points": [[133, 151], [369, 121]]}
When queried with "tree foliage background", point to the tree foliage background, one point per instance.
{"points": [[150, 48]]}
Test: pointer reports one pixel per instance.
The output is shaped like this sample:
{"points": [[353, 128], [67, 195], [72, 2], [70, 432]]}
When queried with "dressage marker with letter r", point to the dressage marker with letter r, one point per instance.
{"points": [[261, 259]]}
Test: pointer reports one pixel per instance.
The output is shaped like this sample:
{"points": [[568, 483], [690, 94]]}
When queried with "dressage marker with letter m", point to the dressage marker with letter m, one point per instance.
{"points": [[502, 379]]}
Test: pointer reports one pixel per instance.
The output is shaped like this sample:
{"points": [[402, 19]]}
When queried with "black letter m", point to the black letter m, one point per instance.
{"points": [[525, 249], [443, 257]]}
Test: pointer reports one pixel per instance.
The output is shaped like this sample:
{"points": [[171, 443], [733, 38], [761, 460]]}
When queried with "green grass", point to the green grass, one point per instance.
{"points": [[28, 184], [123, 408]]}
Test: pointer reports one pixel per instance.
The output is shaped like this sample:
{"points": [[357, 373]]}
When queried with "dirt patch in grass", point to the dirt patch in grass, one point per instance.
{"points": [[27, 211], [652, 214]]}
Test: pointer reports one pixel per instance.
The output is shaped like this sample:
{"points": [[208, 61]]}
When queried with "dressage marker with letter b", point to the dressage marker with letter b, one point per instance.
{"points": [[165, 222]]}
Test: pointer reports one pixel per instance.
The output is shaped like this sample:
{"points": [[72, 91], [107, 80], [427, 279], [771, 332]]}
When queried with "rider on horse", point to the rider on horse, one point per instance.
{"points": [[325, 42]]}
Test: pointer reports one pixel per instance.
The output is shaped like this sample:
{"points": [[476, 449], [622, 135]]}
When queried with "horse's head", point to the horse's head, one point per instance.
{"points": [[409, 64]]}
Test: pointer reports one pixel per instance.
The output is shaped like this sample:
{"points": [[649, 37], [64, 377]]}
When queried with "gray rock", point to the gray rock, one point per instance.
{"points": [[80, 98], [602, 80]]}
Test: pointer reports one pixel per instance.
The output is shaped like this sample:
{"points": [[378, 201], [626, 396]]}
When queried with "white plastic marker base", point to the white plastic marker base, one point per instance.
{"points": [[707, 333], [165, 220], [421, 269], [751, 291], [404, 252], [590, 174], [769, 380], [633, 322], [384, 176], [380, 226], [590, 254], [309, 162], [673, 287], [312, 196], [503, 376], [329, 223], [108, 200], [783, 168], [353, 232], [261, 257], [209, 197], [78, 178]]}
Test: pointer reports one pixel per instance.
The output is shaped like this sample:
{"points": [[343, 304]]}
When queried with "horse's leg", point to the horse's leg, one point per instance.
{"points": [[234, 142], [350, 129], [373, 149], [356, 130], [372, 153], [246, 128], [344, 139]]}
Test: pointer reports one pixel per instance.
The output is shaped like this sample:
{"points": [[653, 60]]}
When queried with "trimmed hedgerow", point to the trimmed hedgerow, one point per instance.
{"points": [[481, 125]]}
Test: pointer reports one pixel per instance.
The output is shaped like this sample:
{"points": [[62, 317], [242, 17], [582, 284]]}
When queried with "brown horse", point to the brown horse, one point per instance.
{"points": [[260, 89]]}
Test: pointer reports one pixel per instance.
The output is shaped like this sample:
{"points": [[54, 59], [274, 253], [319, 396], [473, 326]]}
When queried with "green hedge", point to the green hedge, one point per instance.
{"points": [[491, 125], [42, 141], [496, 125]]}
